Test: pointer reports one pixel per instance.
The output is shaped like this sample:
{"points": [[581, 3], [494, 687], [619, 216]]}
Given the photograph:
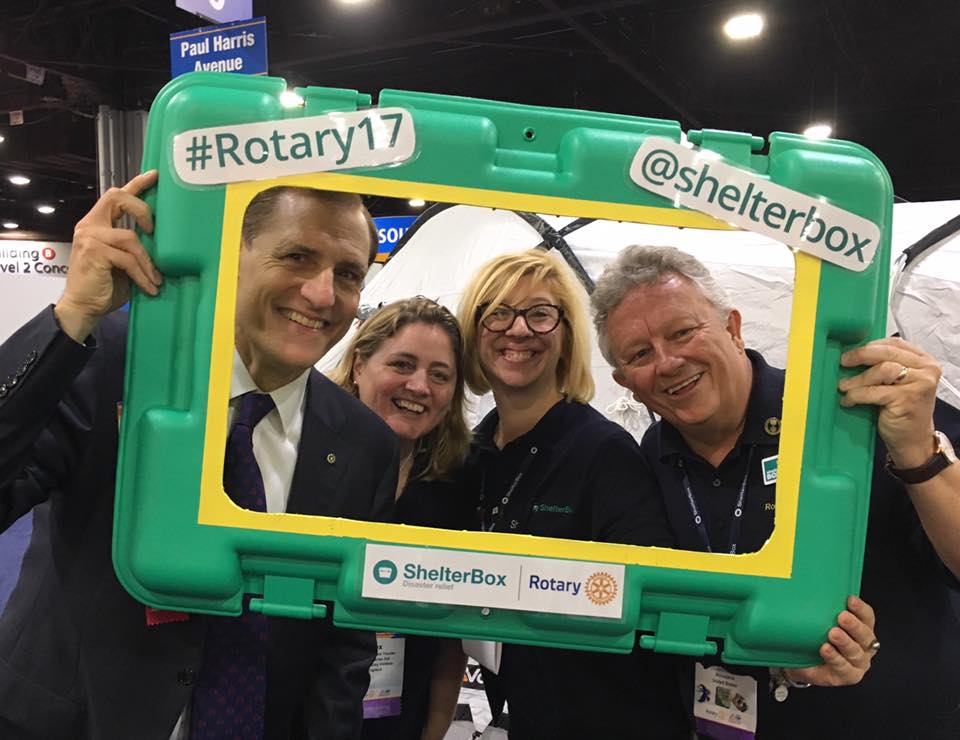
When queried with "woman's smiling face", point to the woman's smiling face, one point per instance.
{"points": [[519, 358], [410, 380]]}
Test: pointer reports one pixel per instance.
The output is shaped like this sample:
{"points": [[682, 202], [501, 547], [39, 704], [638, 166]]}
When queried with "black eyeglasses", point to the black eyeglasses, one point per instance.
{"points": [[541, 318]]}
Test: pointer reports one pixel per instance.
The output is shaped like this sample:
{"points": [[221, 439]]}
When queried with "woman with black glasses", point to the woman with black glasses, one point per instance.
{"points": [[545, 463]]}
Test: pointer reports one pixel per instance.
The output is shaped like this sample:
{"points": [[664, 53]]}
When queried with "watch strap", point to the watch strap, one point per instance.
{"points": [[941, 459]]}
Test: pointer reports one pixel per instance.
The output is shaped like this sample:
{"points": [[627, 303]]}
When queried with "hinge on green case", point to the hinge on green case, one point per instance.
{"points": [[320, 100], [736, 147], [284, 596], [685, 634]]}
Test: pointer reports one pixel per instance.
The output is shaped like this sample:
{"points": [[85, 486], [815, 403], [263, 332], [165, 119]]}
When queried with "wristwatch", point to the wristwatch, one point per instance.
{"points": [[780, 685], [942, 458]]}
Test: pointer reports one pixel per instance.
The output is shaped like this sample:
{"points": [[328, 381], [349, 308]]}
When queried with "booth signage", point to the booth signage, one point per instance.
{"points": [[219, 11], [233, 47], [390, 230]]}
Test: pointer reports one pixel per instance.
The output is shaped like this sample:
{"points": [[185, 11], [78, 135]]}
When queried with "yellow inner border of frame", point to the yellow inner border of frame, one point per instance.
{"points": [[216, 509]]}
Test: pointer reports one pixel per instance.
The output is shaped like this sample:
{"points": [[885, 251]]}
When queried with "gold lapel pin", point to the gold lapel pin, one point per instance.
{"points": [[772, 426], [331, 458]]}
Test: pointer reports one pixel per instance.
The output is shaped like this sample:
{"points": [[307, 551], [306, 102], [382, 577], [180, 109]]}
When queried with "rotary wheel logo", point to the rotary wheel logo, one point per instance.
{"points": [[601, 588]]}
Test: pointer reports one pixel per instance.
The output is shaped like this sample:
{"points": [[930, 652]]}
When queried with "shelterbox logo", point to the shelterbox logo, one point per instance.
{"points": [[446, 574], [385, 572], [297, 146], [696, 179]]}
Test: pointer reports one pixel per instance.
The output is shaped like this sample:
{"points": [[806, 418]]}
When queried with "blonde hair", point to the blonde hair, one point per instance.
{"points": [[490, 286], [447, 443]]}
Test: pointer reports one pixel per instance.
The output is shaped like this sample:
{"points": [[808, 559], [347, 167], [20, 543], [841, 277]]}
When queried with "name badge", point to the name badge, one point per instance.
{"points": [[724, 704], [769, 467], [383, 698]]}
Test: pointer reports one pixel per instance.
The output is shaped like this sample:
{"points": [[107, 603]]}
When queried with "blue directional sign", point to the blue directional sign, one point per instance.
{"points": [[219, 11], [232, 47], [390, 230]]}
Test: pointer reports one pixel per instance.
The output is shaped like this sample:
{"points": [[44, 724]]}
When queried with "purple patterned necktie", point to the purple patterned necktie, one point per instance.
{"points": [[230, 695]]}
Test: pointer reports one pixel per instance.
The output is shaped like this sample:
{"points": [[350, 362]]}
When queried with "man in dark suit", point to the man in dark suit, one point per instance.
{"points": [[78, 658]]}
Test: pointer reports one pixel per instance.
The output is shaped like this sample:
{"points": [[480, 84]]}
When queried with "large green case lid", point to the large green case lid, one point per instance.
{"points": [[180, 544]]}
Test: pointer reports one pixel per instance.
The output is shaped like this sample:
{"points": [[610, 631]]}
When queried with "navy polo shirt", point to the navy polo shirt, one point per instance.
{"points": [[716, 490], [575, 475], [912, 689]]}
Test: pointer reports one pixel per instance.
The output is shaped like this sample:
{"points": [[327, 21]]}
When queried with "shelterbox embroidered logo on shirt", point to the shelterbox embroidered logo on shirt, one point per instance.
{"points": [[697, 179], [257, 151]]}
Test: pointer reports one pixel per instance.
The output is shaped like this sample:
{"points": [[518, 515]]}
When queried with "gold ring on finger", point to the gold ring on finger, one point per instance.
{"points": [[904, 371], [875, 645]]}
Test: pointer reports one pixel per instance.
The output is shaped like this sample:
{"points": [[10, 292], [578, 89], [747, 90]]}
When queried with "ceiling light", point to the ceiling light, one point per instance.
{"points": [[818, 131], [417, 202], [19, 180], [11, 225], [45, 209], [2, 139], [745, 26], [289, 99]]}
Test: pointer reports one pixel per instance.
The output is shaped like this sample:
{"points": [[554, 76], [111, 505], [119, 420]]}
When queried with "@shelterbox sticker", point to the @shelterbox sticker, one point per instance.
{"points": [[297, 146], [498, 581], [697, 179]]}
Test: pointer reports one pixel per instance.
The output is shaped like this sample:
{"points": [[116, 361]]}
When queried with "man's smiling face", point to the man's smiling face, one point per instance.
{"points": [[299, 285], [679, 356]]}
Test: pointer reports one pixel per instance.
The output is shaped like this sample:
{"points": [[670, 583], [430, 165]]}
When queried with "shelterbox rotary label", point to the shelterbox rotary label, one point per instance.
{"points": [[180, 543], [501, 581]]}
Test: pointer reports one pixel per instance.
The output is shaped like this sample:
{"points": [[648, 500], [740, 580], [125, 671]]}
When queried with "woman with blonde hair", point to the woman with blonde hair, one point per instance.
{"points": [[406, 364], [545, 463]]}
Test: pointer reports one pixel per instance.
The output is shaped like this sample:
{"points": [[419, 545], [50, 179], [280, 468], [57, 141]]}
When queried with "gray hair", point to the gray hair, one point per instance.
{"points": [[643, 265]]}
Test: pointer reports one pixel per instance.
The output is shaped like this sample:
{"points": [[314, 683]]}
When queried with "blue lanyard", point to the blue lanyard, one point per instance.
{"points": [[737, 509]]}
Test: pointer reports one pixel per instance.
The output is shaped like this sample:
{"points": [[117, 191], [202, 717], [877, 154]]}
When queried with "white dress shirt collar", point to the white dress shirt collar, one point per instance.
{"points": [[287, 398]]}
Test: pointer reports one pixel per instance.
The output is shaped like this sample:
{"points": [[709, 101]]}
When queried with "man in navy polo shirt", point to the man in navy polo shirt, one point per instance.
{"points": [[673, 338]]}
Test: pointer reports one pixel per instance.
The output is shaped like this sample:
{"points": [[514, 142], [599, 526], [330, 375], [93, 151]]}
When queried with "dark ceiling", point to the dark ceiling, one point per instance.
{"points": [[885, 74]]}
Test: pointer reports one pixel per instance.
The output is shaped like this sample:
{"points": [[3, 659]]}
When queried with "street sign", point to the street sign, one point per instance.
{"points": [[231, 47]]}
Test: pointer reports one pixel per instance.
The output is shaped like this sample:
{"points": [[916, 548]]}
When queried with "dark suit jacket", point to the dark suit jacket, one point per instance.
{"points": [[77, 659]]}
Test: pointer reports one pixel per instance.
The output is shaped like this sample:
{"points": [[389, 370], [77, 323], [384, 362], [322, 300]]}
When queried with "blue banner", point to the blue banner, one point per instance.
{"points": [[233, 47], [390, 230], [219, 11]]}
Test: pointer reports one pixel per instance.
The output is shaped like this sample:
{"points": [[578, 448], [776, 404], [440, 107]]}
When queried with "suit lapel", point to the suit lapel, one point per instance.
{"points": [[323, 456]]}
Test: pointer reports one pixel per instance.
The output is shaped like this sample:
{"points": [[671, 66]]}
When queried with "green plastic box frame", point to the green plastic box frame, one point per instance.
{"points": [[180, 544]]}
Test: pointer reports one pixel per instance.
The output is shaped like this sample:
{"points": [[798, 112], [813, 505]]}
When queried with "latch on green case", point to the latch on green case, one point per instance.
{"points": [[284, 596], [685, 634]]}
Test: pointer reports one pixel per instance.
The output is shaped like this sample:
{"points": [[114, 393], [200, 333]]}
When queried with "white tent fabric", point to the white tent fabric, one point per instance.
{"points": [[925, 299], [440, 257]]}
